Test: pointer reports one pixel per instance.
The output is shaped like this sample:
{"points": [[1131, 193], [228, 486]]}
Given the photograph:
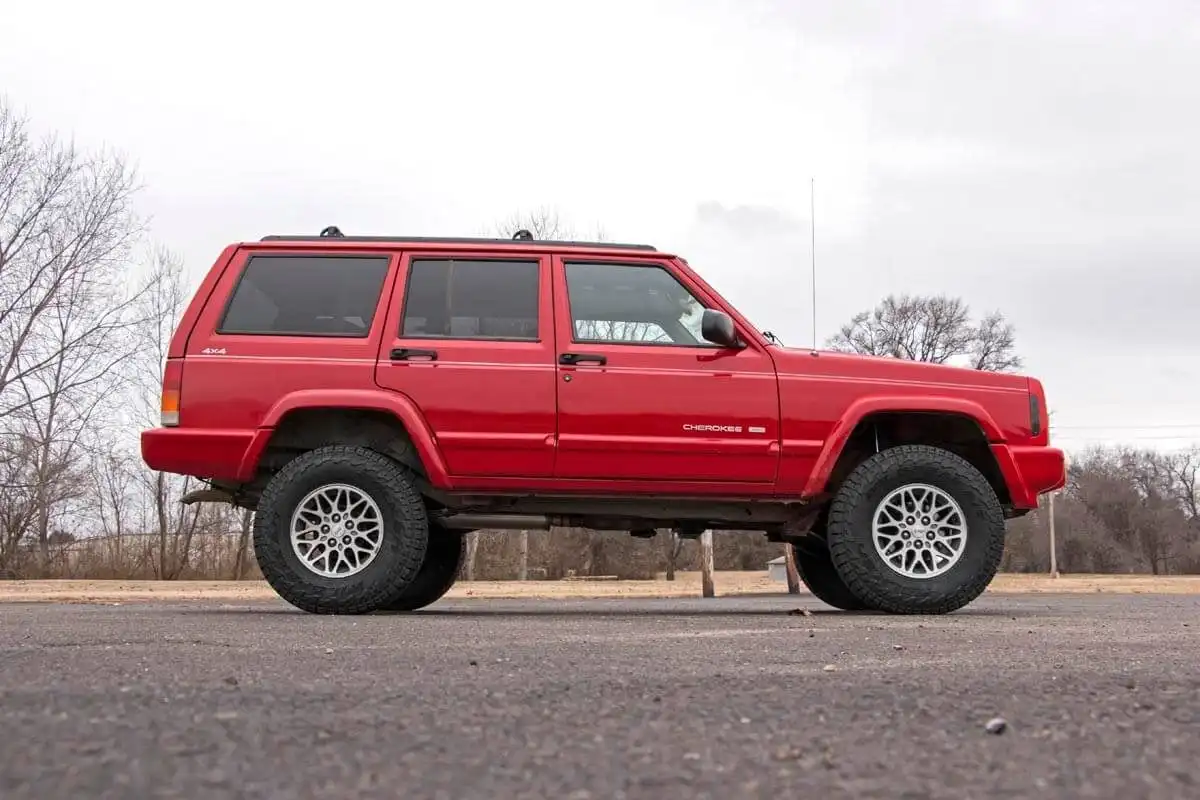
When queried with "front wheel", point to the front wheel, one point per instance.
{"points": [[916, 530]]}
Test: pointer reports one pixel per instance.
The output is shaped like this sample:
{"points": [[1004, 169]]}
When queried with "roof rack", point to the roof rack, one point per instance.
{"points": [[520, 237]]}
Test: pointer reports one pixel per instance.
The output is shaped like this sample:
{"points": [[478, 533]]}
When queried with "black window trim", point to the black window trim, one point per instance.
{"points": [[536, 260], [610, 262], [220, 329]]}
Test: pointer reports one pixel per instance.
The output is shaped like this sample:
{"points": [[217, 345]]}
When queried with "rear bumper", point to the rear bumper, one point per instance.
{"points": [[215, 454], [1031, 471]]}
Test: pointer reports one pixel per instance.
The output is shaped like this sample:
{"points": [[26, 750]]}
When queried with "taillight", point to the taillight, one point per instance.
{"points": [[171, 389]]}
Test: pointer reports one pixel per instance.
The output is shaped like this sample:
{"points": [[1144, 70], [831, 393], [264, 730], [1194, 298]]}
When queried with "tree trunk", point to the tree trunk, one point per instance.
{"points": [[160, 508], [672, 553], [243, 546]]}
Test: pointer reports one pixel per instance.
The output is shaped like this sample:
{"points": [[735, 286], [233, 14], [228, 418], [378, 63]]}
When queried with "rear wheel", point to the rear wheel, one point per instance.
{"points": [[816, 570], [340, 530], [443, 559]]}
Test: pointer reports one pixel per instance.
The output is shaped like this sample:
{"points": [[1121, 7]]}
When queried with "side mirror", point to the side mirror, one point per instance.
{"points": [[717, 327]]}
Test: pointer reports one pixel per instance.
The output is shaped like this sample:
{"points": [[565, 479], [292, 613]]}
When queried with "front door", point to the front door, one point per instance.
{"points": [[641, 396], [470, 340]]}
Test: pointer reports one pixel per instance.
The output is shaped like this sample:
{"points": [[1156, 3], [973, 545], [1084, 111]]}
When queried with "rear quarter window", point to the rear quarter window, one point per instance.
{"points": [[306, 295]]}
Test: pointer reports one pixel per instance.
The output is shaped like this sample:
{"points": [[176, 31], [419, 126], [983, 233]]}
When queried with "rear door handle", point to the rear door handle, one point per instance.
{"points": [[582, 358], [409, 353]]}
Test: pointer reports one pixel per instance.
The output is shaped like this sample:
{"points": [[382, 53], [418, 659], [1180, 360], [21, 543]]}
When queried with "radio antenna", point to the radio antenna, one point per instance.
{"points": [[812, 218]]}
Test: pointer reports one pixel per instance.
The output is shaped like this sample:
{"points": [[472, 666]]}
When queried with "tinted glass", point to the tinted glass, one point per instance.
{"points": [[306, 296], [632, 305], [471, 300]]}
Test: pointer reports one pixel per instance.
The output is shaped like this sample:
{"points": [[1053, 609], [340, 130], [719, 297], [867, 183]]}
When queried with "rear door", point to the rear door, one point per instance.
{"points": [[469, 338], [642, 396]]}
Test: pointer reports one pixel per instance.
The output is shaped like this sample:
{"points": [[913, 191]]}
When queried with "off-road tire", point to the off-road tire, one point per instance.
{"points": [[817, 572], [443, 560], [402, 550], [864, 571]]}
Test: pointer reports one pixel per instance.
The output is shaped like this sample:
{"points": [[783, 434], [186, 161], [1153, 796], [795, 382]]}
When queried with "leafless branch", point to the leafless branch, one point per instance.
{"points": [[936, 329]]}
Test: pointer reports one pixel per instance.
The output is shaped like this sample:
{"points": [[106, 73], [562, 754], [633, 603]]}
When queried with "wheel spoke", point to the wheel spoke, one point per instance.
{"points": [[919, 531], [337, 530]]}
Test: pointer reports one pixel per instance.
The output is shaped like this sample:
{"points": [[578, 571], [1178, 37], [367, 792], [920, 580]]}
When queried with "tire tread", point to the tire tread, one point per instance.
{"points": [[408, 540], [854, 555]]}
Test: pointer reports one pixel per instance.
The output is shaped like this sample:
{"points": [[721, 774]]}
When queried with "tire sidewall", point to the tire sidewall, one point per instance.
{"points": [[393, 566], [879, 583]]}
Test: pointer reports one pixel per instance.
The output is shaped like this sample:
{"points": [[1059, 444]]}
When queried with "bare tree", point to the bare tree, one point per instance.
{"points": [[160, 309], [18, 503], [241, 561], [935, 329], [544, 222], [67, 229]]}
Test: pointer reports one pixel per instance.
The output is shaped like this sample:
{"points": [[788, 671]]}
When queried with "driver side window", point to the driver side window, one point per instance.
{"points": [[632, 304]]}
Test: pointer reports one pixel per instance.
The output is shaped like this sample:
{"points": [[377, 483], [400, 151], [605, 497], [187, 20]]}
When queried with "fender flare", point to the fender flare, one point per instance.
{"points": [[835, 443], [396, 404]]}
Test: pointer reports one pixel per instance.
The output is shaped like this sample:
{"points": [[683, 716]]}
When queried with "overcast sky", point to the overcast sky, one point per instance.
{"points": [[1040, 158]]}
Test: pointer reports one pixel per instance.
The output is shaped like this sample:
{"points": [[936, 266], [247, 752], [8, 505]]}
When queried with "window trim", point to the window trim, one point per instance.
{"points": [[604, 262], [221, 330], [537, 286]]}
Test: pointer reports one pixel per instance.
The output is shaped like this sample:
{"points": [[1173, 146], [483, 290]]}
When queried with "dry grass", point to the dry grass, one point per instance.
{"points": [[687, 584]]}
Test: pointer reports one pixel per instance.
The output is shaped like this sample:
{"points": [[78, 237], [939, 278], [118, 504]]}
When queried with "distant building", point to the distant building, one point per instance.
{"points": [[777, 568]]}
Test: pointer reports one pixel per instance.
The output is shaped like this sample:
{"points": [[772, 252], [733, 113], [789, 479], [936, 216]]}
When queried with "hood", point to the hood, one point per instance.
{"points": [[805, 361]]}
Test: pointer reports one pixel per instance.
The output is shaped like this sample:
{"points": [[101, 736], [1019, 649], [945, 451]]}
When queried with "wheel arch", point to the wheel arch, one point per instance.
{"points": [[389, 423], [958, 426]]}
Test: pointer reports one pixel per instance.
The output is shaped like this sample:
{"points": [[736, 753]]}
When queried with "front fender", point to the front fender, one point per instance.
{"points": [[863, 407]]}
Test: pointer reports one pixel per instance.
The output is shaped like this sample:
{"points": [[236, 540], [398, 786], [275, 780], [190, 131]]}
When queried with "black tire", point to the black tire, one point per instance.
{"points": [[439, 571], [864, 570], [404, 523], [816, 570]]}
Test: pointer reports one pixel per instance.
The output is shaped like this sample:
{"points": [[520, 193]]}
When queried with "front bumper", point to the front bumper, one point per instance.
{"points": [[1031, 471]]}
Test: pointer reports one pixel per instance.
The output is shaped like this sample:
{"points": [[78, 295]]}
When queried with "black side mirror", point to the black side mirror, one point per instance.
{"points": [[717, 327]]}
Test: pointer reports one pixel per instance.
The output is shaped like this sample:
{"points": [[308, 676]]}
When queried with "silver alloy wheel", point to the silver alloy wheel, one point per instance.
{"points": [[919, 531], [337, 530]]}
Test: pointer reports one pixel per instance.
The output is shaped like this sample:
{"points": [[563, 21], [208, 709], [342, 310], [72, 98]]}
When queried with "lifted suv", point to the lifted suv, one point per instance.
{"points": [[374, 398]]}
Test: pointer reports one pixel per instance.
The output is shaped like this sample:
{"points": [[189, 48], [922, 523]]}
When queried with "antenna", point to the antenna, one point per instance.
{"points": [[812, 218]]}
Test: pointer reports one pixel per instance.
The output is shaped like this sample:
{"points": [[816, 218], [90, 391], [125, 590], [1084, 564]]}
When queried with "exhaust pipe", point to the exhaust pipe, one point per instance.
{"points": [[512, 522]]}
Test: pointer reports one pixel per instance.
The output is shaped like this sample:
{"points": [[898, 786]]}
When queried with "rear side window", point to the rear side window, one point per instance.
{"points": [[452, 299], [306, 296]]}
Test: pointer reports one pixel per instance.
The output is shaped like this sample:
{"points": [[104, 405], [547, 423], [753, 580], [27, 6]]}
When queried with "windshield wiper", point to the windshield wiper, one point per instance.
{"points": [[773, 338]]}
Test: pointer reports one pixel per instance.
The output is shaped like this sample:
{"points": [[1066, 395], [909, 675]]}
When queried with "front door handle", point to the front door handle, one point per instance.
{"points": [[409, 353], [582, 358]]}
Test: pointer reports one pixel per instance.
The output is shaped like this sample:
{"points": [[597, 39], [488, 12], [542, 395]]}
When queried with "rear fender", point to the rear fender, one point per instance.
{"points": [[395, 403]]}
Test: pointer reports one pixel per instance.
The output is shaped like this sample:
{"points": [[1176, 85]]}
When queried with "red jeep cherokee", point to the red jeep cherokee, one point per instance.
{"points": [[373, 399]]}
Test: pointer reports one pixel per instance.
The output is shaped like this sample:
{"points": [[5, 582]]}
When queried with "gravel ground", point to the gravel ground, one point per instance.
{"points": [[687, 698]]}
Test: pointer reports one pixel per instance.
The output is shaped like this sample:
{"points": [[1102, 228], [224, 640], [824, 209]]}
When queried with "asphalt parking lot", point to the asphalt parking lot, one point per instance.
{"points": [[721, 698]]}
